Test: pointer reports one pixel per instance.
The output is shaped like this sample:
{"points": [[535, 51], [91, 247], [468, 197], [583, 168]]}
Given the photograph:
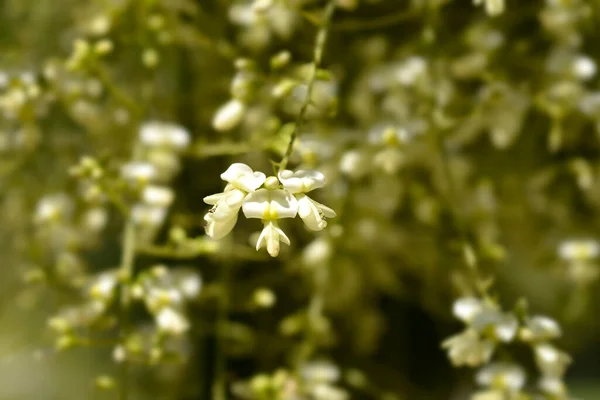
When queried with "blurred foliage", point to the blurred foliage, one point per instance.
{"points": [[456, 142]]}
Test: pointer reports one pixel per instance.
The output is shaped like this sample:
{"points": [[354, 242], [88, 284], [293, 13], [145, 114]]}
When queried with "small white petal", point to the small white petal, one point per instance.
{"points": [[271, 236], [241, 176], [302, 181], [229, 115], [172, 322], [466, 308], [270, 205], [219, 228], [236, 170], [162, 134], [312, 214], [256, 204], [214, 198], [160, 196]]}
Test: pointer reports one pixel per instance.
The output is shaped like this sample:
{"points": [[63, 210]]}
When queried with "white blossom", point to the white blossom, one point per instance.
{"points": [[550, 360], [468, 348], [313, 214], [147, 215], [163, 134], [466, 308], [158, 196], [229, 115], [506, 376], [270, 205], [579, 250], [138, 171], [539, 328], [171, 321], [223, 216]]}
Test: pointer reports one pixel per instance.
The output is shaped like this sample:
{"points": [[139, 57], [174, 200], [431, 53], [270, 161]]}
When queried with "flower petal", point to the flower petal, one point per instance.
{"points": [[214, 198], [234, 198], [310, 214], [219, 228], [270, 204], [301, 181], [283, 204], [256, 203], [236, 170], [229, 115], [251, 182]]}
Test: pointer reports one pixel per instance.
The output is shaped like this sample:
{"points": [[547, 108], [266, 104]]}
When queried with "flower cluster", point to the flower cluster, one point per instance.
{"points": [[318, 380], [149, 174], [487, 328], [269, 199]]}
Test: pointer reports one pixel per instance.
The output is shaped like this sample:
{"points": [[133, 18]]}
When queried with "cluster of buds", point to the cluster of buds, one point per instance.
{"points": [[161, 145], [487, 327], [318, 380], [269, 199], [580, 257], [165, 293]]}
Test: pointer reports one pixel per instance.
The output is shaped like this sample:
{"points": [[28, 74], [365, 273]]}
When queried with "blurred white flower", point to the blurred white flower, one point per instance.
{"points": [[172, 322], [579, 250], [510, 377], [551, 361], [163, 134], [157, 196], [539, 328], [229, 115], [468, 348], [138, 171]]}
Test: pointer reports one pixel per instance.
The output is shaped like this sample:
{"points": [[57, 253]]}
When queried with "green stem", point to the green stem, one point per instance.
{"points": [[219, 387], [317, 57], [125, 274]]}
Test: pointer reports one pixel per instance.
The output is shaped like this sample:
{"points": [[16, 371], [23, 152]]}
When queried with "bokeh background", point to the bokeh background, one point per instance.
{"points": [[440, 126]]}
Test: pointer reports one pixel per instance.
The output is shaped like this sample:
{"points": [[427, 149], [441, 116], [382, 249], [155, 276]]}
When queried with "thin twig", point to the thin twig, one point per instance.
{"points": [[317, 57]]}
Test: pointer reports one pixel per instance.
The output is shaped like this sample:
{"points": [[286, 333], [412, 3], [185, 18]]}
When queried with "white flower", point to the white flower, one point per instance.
{"points": [[539, 328], [502, 376], [324, 391], [550, 360], [492, 7], [171, 322], [317, 252], [468, 348], [492, 394], [159, 196], [270, 205], [584, 68], [302, 181], [320, 371], [229, 115], [411, 70], [148, 215], [53, 207], [553, 386], [138, 171], [219, 228], [466, 308], [223, 216], [313, 214], [242, 177], [162, 134], [579, 250], [104, 286], [354, 164]]}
